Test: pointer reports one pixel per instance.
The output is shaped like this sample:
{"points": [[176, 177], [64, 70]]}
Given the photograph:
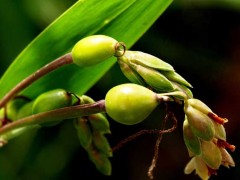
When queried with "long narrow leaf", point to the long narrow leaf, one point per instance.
{"points": [[124, 20]]}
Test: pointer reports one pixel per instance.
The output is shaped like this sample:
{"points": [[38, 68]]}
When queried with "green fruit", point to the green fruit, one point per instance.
{"points": [[130, 103], [51, 100], [25, 111], [93, 49], [13, 107]]}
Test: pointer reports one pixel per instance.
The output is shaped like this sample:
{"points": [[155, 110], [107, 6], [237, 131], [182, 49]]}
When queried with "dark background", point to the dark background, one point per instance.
{"points": [[202, 42]]}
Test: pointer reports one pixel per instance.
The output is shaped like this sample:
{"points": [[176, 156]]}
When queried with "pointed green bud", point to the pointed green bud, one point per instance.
{"points": [[100, 160], [101, 143], [183, 89], [130, 103], [211, 154], [94, 49], [202, 126], [227, 159], [130, 74], [146, 60], [201, 168], [199, 105], [84, 132], [174, 76], [154, 79], [99, 123], [220, 132], [191, 140]]}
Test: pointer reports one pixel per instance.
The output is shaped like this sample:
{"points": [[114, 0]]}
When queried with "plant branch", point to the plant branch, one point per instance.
{"points": [[56, 115], [65, 59]]}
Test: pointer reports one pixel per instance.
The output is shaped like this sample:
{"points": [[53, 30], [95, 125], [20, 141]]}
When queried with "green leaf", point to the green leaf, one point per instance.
{"points": [[123, 20]]}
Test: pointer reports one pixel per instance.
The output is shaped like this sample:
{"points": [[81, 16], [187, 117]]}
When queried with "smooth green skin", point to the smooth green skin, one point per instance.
{"points": [[92, 50], [25, 111], [84, 132], [211, 154], [50, 100], [191, 140], [202, 126], [130, 104], [13, 108]]}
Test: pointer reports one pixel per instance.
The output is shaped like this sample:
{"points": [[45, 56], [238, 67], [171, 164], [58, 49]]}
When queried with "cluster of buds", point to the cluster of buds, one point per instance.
{"points": [[91, 132], [150, 71], [205, 138]]}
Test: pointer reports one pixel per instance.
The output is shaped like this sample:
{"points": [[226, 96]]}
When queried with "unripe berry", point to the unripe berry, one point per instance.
{"points": [[93, 49], [130, 103], [51, 100]]}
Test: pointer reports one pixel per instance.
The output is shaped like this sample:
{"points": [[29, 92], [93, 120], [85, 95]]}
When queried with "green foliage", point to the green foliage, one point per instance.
{"points": [[123, 20]]}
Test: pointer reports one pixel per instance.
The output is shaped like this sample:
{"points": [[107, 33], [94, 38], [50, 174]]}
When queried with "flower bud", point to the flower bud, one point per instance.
{"points": [[100, 160], [101, 144], [99, 123], [130, 103], [93, 49], [211, 154], [131, 74], [202, 126], [154, 79], [220, 132], [191, 140], [227, 159], [175, 77], [146, 60], [199, 105], [84, 132]]}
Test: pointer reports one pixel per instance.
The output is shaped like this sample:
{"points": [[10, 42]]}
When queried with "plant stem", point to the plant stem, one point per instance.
{"points": [[56, 115], [65, 59]]}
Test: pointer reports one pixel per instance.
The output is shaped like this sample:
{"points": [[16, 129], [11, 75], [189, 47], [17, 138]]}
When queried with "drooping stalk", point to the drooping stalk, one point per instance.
{"points": [[55, 115], [63, 60]]}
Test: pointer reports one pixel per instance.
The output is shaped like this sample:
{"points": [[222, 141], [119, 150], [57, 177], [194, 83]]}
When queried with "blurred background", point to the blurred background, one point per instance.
{"points": [[200, 38]]}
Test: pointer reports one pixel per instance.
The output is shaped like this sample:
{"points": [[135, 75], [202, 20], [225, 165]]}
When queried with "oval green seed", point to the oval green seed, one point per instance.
{"points": [[51, 100], [130, 103], [93, 49]]}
